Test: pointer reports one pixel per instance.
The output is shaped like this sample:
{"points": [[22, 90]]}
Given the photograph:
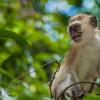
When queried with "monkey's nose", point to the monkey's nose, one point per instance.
{"points": [[74, 28]]}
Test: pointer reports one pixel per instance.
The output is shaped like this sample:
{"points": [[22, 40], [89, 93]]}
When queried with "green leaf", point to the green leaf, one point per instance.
{"points": [[18, 38], [4, 33], [92, 97]]}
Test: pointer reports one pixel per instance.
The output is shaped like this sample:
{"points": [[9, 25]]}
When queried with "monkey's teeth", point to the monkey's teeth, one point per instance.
{"points": [[76, 38]]}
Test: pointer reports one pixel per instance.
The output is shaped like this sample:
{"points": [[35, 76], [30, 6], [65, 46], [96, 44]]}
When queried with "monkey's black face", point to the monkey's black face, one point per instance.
{"points": [[75, 32]]}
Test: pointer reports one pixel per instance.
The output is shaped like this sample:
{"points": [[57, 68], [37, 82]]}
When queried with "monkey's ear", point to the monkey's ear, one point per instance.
{"points": [[93, 21]]}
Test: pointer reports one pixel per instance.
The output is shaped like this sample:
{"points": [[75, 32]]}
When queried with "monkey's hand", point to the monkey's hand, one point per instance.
{"points": [[63, 78]]}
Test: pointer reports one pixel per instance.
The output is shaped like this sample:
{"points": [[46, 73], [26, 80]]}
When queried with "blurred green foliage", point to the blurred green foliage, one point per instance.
{"points": [[32, 33]]}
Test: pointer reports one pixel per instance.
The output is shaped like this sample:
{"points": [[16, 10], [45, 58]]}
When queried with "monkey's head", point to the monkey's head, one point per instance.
{"points": [[81, 27]]}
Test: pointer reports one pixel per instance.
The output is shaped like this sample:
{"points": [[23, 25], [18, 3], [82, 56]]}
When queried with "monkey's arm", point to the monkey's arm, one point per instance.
{"points": [[63, 78]]}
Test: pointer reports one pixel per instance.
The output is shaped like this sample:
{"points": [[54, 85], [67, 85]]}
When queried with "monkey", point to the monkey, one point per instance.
{"points": [[83, 60]]}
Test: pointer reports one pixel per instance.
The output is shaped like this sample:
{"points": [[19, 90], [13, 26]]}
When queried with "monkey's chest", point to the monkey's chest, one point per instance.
{"points": [[86, 64]]}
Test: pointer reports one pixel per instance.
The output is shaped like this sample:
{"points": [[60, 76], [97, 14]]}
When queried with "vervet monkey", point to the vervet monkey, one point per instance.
{"points": [[82, 63]]}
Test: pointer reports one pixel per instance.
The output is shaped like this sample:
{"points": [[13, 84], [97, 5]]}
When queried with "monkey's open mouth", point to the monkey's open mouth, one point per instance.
{"points": [[77, 37]]}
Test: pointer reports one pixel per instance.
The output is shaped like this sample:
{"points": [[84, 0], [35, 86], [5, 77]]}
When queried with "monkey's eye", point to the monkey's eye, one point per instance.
{"points": [[74, 28], [78, 26]]}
